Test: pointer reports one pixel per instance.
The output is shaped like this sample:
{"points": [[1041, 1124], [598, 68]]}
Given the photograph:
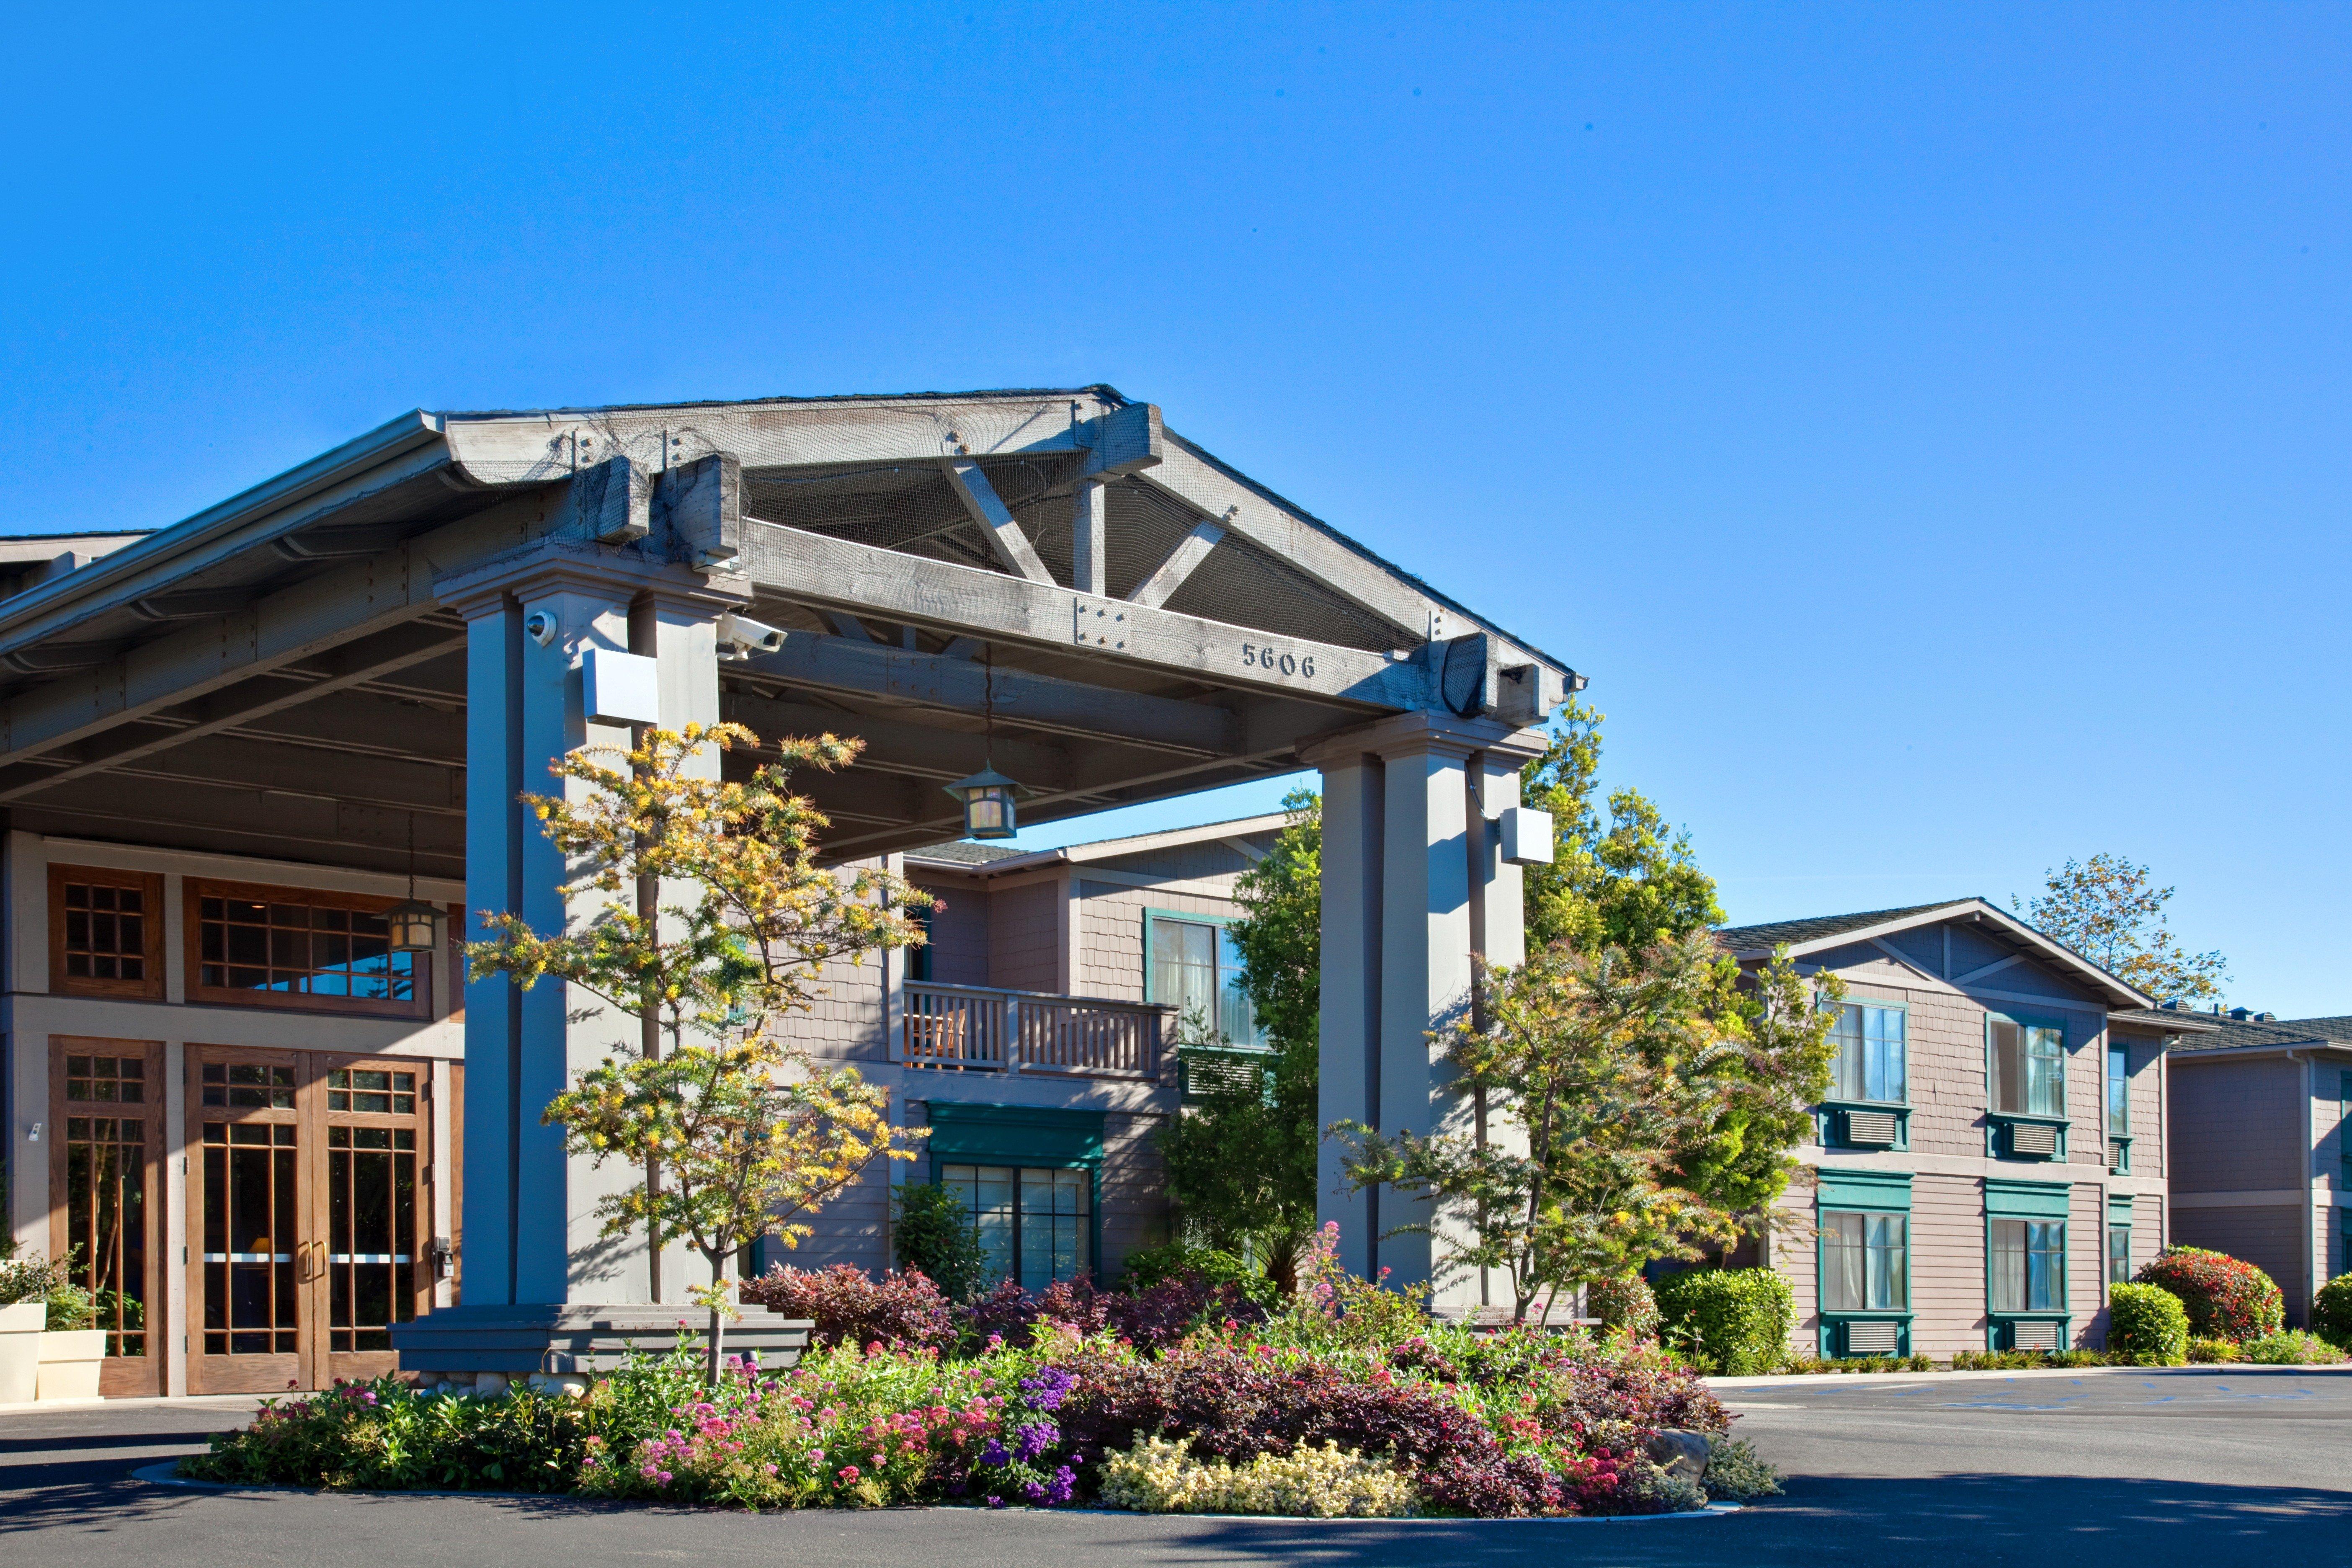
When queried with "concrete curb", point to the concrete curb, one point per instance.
{"points": [[150, 1401], [164, 1475], [1887, 1379]]}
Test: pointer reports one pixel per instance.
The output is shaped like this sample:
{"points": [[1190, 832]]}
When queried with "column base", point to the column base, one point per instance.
{"points": [[510, 1344]]}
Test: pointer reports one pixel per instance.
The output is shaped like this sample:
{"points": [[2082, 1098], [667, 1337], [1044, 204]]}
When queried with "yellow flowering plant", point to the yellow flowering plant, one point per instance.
{"points": [[741, 1134]]}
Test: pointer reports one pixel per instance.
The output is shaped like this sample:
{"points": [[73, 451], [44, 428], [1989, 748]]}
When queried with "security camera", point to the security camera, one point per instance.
{"points": [[543, 626], [740, 637]]}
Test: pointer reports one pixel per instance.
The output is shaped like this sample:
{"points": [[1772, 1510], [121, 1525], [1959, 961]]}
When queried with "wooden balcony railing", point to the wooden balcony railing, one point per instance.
{"points": [[979, 1028]]}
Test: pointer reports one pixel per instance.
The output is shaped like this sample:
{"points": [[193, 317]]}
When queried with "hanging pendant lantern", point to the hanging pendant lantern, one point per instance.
{"points": [[988, 809], [988, 796], [415, 924]]}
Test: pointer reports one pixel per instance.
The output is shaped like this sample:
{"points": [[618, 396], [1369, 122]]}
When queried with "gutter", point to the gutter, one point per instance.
{"points": [[45, 610]]}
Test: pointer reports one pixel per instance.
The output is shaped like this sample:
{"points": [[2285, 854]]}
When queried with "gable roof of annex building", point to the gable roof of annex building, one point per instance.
{"points": [[1826, 934]]}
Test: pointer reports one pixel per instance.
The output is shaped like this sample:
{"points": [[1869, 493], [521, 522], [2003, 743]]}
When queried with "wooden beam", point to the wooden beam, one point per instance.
{"points": [[700, 506], [257, 696], [361, 723], [814, 660], [303, 622], [897, 746], [845, 624], [1089, 518], [979, 499], [1183, 561], [798, 564], [236, 762], [260, 815]]}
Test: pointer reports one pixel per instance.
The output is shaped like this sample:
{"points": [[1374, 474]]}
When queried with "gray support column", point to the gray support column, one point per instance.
{"points": [[530, 1222], [1412, 886]]}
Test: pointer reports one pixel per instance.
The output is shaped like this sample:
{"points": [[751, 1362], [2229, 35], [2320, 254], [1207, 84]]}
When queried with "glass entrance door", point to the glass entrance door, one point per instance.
{"points": [[249, 1274], [107, 1100], [376, 1271]]}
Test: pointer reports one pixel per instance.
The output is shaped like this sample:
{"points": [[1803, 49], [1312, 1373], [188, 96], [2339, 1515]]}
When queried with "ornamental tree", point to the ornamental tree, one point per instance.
{"points": [[741, 1135], [2109, 910], [1612, 1074]]}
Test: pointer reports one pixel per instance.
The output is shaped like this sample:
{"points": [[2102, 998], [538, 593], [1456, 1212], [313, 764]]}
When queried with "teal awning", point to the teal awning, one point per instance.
{"points": [[1014, 1134], [1852, 1189]]}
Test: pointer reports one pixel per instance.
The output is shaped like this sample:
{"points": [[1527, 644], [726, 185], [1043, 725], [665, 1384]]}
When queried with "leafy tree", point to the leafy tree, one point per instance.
{"points": [[2106, 910], [1618, 1072], [1241, 1161], [750, 1131], [1622, 875]]}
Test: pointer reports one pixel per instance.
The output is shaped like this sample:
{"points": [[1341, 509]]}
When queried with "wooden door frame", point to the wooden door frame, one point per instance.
{"points": [[118, 1376], [367, 1363], [199, 1363]]}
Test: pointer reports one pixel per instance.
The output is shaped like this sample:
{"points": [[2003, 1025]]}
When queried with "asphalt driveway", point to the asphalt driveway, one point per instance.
{"points": [[2204, 1466]]}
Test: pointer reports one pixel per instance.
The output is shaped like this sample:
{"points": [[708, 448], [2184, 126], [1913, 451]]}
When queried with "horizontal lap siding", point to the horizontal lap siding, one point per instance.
{"points": [[2086, 1264], [1947, 1279], [1795, 1246], [1944, 1068], [2269, 1236], [2146, 1107]]}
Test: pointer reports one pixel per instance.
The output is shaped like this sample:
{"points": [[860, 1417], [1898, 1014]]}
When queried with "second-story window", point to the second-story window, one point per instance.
{"points": [[1195, 968], [1870, 1051], [2029, 1069], [1862, 1267], [294, 947], [106, 932], [2118, 1090]]}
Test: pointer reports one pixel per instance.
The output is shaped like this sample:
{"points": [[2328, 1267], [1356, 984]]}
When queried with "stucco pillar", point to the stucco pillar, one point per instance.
{"points": [[1412, 887]]}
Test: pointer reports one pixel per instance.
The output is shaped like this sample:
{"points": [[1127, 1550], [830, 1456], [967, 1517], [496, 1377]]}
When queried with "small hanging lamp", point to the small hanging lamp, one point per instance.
{"points": [[415, 924], [988, 796]]}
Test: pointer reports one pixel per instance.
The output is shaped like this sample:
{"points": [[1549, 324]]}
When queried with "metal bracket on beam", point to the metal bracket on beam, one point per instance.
{"points": [[339, 540]]}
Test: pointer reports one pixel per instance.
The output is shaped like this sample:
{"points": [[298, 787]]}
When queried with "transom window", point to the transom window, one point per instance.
{"points": [[1870, 1052], [1035, 1224], [2118, 1089], [249, 1086], [2029, 1265], [1196, 968], [1863, 1262], [107, 1080], [285, 946], [106, 932], [372, 1092], [2029, 1069]]}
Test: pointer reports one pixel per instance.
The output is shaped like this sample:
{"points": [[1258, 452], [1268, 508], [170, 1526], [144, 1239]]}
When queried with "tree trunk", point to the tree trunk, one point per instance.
{"points": [[717, 1318], [650, 1042]]}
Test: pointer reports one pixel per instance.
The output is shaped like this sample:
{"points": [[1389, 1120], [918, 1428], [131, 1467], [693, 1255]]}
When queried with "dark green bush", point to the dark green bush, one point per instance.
{"points": [[1731, 1322], [2148, 1325], [2331, 1312], [932, 1234]]}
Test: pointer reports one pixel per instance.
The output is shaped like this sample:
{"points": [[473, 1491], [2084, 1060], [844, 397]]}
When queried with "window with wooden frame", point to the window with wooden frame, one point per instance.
{"points": [[301, 948], [106, 932]]}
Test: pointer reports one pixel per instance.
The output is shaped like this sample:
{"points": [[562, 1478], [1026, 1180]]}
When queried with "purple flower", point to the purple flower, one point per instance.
{"points": [[994, 1454], [995, 1501], [1048, 1388], [1034, 1440]]}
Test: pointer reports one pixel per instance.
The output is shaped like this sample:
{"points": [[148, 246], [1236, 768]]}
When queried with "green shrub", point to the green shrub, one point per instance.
{"points": [[2227, 1298], [932, 1233], [70, 1307], [2291, 1347], [2148, 1325], [1731, 1322], [1734, 1474], [2020, 1361], [1623, 1306], [1813, 1366], [2206, 1350], [2331, 1312], [1149, 1266], [30, 1278]]}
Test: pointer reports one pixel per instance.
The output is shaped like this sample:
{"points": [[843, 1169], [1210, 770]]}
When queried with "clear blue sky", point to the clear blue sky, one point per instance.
{"points": [[1927, 426]]}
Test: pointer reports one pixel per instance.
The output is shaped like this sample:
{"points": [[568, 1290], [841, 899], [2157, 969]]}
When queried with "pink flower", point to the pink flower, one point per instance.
{"points": [[875, 1458], [848, 1474]]}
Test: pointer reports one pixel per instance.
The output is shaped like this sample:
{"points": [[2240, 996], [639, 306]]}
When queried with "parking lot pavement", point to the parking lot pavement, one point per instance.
{"points": [[2202, 1465]]}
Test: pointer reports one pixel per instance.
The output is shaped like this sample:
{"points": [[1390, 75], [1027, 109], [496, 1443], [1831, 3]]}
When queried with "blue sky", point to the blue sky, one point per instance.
{"points": [[1927, 426]]}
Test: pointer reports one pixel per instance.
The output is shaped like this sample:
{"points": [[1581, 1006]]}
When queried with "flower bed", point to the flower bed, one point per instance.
{"points": [[1338, 1402]]}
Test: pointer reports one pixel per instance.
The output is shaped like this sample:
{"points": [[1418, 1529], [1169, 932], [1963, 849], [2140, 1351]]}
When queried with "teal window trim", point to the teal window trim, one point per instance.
{"points": [[2118, 1118], [2055, 1021], [2032, 1202], [1839, 1190], [1152, 918], [965, 1132], [1829, 1118], [2119, 1218]]}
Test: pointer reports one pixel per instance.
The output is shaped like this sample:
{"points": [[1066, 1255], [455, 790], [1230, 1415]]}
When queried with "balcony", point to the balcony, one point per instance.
{"points": [[980, 1028]]}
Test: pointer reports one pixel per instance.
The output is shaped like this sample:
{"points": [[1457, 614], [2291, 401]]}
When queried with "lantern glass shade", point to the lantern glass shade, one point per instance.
{"points": [[415, 926], [988, 810]]}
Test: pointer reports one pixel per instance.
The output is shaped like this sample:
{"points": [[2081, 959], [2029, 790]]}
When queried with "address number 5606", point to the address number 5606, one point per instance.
{"points": [[1257, 657]]}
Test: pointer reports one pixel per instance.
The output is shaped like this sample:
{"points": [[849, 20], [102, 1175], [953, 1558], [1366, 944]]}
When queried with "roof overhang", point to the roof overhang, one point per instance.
{"points": [[1107, 848]]}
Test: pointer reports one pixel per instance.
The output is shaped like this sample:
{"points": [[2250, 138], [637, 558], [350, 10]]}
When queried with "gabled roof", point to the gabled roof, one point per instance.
{"points": [[995, 861], [2220, 1032], [1822, 933]]}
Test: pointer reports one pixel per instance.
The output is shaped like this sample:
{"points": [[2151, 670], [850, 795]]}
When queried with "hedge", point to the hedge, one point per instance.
{"points": [[2226, 1298], [2331, 1312], [1732, 1322], [1623, 1305], [2148, 1324]]}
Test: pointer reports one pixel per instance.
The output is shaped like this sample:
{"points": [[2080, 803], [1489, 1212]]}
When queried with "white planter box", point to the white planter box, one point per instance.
{"points": [[69, 1363], [20, 1351]]}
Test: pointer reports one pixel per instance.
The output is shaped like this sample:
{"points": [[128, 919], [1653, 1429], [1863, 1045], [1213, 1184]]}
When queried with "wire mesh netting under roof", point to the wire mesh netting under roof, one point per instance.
{"points": [[913, 507]]}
